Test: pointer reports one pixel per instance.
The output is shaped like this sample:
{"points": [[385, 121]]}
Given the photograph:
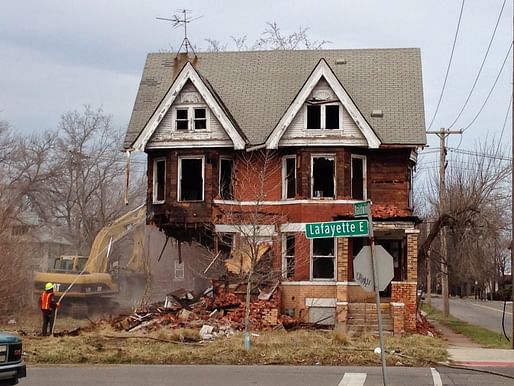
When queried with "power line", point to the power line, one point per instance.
{"points": [[481, 66], [491, 90], [449, 65]]}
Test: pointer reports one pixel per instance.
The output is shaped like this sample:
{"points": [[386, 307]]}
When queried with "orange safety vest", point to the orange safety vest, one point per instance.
{"points": [[46, 300]]}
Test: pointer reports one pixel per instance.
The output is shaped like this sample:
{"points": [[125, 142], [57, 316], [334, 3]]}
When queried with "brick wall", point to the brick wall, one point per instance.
{"points": [[405, 292], [293, 296], [398, 316]]}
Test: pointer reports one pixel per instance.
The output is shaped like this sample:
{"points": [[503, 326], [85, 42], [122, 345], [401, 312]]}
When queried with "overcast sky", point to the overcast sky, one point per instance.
{"points": [[58, 55]]}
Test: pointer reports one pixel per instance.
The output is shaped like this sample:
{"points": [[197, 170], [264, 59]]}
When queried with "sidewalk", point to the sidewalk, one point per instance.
{"points": [[462, 351]]}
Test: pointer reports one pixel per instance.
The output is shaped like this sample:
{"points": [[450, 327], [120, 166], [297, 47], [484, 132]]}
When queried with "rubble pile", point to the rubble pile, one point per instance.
{"points": [[424, 327], [219, 315]]}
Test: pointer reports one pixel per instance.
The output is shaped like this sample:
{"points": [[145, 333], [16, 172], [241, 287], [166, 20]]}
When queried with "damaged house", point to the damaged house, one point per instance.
{"points": [[258, 144]]}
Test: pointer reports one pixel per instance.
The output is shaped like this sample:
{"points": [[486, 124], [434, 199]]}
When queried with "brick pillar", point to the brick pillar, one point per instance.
{"points": [[412, 255], [397, 314], [342, 259], [341, 312]]}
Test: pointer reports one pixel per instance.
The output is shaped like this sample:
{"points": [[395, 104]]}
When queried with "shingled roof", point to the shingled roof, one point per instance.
{"points": [[257, 87]]}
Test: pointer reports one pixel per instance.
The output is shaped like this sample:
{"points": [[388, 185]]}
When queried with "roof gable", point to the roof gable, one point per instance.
{"points": [[322, 71], [188, 73], [256, 88]]}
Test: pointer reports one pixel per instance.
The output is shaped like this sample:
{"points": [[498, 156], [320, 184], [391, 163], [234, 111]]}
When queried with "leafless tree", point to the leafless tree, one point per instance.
{"points": [[272, 38], [88, 192], [476, 193]]}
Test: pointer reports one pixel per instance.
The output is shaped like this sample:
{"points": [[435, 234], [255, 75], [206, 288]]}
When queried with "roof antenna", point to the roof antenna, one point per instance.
{"points": [[177, 21]]}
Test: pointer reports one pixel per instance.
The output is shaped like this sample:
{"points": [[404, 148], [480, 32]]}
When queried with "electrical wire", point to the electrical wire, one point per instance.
{"points": [[449, 66], [509, 109], [490, 91], [481, 66]]}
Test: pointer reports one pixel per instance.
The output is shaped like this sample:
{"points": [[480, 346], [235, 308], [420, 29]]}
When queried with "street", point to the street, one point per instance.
{"points": [[487, 314], [211, 375]]}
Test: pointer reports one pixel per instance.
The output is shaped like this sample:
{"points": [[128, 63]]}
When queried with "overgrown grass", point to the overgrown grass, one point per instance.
{"points": [[183, 346], [477, 334]]}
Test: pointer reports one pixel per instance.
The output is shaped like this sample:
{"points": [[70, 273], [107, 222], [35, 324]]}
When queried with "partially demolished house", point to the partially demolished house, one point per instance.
{"points": [[255, 145]]}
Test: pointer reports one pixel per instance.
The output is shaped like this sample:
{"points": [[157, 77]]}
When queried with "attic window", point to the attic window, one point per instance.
{"points": [[191, 118], [324, 116]]}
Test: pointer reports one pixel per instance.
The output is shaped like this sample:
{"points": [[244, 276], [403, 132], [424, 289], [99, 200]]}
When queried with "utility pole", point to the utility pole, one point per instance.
{"points": [[512, 195], [442, 134]]}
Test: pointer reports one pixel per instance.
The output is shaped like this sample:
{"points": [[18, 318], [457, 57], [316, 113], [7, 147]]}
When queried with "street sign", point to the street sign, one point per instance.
{"points": [[362, 268], [360, 209], [352, 228]]}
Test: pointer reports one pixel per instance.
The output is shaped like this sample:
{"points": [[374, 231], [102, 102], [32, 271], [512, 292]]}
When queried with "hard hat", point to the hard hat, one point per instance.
{"points": [[49, 286]]}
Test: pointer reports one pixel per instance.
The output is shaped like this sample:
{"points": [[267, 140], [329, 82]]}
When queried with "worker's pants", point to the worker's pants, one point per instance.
{"points": [[48, 322]]}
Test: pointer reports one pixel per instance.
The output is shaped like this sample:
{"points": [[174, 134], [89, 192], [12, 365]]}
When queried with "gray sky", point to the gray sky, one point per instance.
{"points": [[57, 55]]}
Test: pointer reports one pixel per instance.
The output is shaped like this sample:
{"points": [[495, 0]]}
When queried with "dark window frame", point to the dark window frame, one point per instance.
{"points": [[159, 181]]}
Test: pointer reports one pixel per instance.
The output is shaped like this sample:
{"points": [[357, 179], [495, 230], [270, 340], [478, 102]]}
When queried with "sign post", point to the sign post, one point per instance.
{"points": [[359, 208]]}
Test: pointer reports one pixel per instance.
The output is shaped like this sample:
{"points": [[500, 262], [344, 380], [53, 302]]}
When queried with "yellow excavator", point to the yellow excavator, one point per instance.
{"points": [[88, 280]]}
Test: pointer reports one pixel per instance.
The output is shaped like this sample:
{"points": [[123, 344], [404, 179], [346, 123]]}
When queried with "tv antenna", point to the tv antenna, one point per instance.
{"points": [[179, 20]]}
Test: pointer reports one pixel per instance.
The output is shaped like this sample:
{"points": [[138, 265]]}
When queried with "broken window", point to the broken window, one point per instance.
{"points": [[411, 190], [332, 117], [358, 177], [323, 116], [159, 180], [191, 118], [314, 117], [323, 258], [191, 174], [225, 244], [182, 120], [288, 262], [289, 177], [179, 270], [323, 177], [225, 182]]}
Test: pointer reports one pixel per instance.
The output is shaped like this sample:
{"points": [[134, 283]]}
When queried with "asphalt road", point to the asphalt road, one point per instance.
{"points": [[487, 314], [137, 375]]}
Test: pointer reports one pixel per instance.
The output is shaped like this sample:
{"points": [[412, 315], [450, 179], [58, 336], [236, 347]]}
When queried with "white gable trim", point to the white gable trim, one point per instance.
{"points": [[187, 73], [322, 70]]}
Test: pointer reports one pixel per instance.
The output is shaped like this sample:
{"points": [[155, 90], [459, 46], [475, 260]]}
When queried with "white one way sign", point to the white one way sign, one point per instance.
{"points": [[363, 271]]}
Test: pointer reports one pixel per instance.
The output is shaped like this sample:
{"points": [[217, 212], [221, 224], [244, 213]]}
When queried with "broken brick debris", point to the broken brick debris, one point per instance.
{"points": [[221, 314]]}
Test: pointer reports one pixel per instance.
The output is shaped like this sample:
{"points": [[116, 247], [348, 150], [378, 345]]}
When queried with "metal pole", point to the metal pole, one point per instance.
{"points": [[374, 268]]}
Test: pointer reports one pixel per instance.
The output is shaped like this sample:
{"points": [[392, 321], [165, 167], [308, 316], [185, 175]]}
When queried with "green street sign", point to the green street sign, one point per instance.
{"points": [[352, 228], [361, 209]]}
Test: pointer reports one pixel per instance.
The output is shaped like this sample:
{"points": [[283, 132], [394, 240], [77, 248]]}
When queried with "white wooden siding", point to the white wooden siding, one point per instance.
{"points": [[297, 132], [166, 134]]}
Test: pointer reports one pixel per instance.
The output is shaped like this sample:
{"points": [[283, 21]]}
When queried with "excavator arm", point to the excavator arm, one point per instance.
{"points": [[98, 260]]}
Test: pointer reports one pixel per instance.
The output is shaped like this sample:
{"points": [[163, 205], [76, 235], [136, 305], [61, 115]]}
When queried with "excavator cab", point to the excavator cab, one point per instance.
{"points": [[69, 264]]}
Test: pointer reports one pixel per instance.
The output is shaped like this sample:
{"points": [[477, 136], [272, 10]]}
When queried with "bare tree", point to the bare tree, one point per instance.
{"points": [[476, 193], [88, 192], [271, 38]]}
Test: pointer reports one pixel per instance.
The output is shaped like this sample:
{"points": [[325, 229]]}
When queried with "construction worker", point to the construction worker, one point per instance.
{"points": [[48, 305]]}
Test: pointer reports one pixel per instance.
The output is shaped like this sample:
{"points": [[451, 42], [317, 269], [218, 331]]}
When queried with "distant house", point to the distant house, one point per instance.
{"points": [[37, 243], [337, 127]]}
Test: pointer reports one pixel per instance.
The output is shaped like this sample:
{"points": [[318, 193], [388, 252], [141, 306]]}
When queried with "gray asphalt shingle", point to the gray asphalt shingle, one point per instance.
{"points": [[257, 87]]}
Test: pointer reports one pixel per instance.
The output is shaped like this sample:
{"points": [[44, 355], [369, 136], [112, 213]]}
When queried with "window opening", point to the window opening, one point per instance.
{"points": [[314, 117], [191, 179], [179, 270], [323, 177], [225, 244], [200, 120], [323, 258], [332, 117], [290, 177], [159, 181], [289, 260], [182, 120], [411, 190], [358, 178], [226, 186]]}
